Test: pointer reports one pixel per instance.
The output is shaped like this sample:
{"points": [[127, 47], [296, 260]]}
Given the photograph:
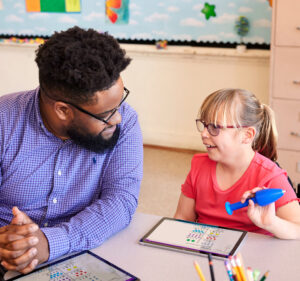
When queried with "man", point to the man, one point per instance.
{"points": [[71, 152]]}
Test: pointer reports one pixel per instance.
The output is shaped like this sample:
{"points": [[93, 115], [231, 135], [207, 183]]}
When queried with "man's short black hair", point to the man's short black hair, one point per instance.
{"points": [[75, 63]]}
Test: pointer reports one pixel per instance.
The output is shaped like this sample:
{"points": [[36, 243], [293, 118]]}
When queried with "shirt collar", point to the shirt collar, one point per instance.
{"points": [[38, 114]]}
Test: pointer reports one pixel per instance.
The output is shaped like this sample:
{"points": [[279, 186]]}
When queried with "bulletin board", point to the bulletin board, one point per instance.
{"points": [[192, 22]]}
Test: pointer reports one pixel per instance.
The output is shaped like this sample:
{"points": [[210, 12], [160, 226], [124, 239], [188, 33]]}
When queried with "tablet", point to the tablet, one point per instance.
{"points": [[194, 238], [82, 266]]}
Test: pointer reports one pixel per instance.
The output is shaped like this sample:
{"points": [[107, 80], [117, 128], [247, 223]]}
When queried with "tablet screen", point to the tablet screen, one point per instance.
{"points": [[84, 266], [194, 237]]}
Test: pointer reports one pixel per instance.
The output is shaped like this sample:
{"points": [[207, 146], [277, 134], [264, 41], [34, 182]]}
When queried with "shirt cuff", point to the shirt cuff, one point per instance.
{"points": [[58, 241]]}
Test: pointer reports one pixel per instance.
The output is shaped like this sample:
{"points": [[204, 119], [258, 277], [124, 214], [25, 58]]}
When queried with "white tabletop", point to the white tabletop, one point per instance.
{"points": [[261, 252]]}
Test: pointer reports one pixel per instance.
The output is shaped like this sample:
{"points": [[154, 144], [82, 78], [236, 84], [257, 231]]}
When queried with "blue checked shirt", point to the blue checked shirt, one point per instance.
{"points": [[79, 198]]}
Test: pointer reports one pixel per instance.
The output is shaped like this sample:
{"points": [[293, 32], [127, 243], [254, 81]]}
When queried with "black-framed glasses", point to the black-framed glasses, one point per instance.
{"points": [[112, 112], [212, 128], [104, 120]]}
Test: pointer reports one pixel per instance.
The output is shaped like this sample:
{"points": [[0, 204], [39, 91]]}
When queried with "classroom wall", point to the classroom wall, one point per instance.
{"points": [[167, 86]]}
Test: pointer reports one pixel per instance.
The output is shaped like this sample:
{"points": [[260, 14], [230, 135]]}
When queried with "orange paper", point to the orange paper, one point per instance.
{"points": [[33, 5]]}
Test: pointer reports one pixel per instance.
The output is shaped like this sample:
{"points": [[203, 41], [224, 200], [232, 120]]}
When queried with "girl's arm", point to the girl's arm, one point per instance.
{"points": [[186, 209], [284, 222]]}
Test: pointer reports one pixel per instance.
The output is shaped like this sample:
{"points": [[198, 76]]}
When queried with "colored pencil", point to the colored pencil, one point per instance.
{"points": [[229, 270], [235, 270], [249, 274], [255, 274], [239, 263], [211, 267], [199, 271], [265, 276]]}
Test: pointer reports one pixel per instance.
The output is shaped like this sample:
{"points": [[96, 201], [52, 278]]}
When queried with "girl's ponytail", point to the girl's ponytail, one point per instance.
{"points": [[266, 140]]}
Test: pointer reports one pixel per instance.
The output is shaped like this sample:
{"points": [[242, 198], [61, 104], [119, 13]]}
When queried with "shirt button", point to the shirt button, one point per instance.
{"points": [[59, 172], [54, 200], [45, 224]]}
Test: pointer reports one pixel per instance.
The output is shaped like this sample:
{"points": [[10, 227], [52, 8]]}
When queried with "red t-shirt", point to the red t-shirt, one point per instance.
{"points": [[201, 185]]}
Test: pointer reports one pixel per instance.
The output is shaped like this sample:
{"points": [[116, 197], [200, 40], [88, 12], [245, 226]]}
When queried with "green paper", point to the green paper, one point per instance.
{"points": [[57, 6]]}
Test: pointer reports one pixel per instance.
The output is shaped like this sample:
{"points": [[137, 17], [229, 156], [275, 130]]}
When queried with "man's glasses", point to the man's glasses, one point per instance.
{"points": [[112, 112], [213, 129], [104, 120]]}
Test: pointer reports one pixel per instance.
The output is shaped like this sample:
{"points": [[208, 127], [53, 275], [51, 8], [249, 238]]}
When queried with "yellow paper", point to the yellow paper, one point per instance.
{"points": [[72, 6]]}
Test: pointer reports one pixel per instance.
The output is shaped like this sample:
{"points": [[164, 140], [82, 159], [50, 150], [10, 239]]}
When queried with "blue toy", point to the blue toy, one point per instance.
{"points": [[262, 197]]}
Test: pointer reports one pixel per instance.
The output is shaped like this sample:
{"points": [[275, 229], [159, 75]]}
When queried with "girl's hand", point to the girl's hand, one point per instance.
{"points": [[261, 216]]}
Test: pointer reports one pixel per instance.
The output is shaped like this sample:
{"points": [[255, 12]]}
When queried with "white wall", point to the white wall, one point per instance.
{"points": [[167, 86], [18, 70]]}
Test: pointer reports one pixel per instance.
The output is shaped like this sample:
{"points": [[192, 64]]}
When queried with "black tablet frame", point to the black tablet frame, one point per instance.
{"points": [[133, 278], [145, 241]]}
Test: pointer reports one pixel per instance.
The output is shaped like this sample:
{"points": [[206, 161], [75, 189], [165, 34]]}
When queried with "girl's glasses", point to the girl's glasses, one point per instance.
{"points": [[213, 129]]}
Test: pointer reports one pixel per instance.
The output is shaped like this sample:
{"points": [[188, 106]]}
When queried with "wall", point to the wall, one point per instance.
{"points": [[167, 86]]}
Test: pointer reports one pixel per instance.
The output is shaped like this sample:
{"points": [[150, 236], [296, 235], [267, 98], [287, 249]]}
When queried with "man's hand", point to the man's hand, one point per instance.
{"points": [[22, 244]]}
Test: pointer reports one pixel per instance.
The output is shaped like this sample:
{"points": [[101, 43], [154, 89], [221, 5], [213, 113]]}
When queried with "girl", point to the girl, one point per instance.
{"points": [[240, 136]]}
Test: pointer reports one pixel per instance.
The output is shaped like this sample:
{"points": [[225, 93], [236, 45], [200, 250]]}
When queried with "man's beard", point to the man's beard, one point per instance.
{"points": [[94, 143]]}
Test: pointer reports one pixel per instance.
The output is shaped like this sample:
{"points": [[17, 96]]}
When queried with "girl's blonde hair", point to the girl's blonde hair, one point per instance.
{"points": [[240, 108]]}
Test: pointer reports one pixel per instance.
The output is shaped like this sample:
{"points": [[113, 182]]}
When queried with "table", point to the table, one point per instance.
{"points": [[150, 263]]}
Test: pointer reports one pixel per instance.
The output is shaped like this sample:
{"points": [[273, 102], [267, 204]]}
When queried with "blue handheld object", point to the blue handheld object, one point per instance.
{"points": [[262, 197]]}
